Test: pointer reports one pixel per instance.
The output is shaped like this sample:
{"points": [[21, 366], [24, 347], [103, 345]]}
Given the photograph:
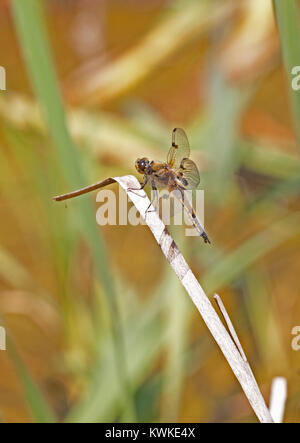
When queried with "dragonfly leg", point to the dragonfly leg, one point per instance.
{"points": [[154, 200], [139, 189]]}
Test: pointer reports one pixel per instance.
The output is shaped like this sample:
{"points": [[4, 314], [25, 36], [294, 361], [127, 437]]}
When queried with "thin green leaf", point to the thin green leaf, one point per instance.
{"points": [[287, 15], [28, 17]]}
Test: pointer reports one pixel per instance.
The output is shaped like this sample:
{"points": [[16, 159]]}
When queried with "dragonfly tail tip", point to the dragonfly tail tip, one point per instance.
{"points": [[205, 237]]}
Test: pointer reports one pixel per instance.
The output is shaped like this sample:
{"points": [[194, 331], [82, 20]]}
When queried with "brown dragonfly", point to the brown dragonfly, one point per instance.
{"points": [[177, 174]]}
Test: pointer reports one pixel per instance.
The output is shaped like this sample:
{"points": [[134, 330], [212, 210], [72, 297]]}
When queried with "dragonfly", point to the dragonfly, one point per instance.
{"points": [[177, 174]]}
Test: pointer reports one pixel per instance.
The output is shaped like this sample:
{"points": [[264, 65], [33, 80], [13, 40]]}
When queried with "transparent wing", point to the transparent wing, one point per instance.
{"points": [[188, 174], [180, 148]]}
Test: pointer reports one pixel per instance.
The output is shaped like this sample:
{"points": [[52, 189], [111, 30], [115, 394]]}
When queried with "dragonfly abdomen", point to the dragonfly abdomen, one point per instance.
{"points": [[197, 225]]}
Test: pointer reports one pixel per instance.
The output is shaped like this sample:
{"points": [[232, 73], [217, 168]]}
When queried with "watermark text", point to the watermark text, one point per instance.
{"points": [[2, 339], [2, 79], [172, 208], [296, 340]]}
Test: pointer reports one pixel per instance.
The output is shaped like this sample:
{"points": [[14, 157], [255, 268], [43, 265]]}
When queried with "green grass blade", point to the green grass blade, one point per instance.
{"points": [[28, 17], [235, 263], [287, 15], [39, 409]]}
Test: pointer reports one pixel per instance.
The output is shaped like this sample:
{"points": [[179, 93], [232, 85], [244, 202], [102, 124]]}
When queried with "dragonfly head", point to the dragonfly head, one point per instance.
{"points": [[141, 165]]}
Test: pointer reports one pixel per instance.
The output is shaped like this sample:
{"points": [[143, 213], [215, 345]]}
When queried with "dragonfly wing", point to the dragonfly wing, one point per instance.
{"points": [[188, 174], [180, 148]]}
